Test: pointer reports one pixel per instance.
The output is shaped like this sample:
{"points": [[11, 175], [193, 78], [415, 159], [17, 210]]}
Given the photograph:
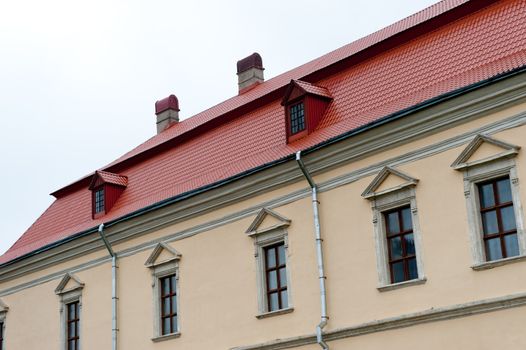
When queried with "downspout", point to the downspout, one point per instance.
{"points": [[114, 298], [319, 254]]}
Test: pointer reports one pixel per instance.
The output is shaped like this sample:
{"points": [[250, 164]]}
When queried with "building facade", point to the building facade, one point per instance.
{"points": [[370, 198]]}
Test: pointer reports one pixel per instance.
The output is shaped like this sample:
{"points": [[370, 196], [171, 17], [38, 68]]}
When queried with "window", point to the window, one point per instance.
{"points": [[99, 200], [72, 325], [396, 229], [498, 219], [69, 291], [276, 277], [163, 263], [401, 243], [268, 231], [493, 203], [168, 304], [297, 118]]}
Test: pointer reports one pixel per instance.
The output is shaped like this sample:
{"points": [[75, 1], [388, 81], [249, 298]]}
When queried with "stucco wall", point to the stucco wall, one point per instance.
{"points": [[218, 295]]}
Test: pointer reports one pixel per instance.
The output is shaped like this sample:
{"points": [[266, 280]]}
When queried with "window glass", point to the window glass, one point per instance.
{"points": [[401, 243], [168, 304], [276, 277], [297, 118], [72, 325], [498, 219]]}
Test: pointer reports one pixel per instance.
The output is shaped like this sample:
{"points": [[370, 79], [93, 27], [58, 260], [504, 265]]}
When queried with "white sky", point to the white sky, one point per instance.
{"points": [[79, 79]]}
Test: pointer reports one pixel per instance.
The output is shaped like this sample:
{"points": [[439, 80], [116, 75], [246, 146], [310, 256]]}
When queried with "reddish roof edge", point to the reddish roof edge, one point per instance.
{"points": [[452, 12]]}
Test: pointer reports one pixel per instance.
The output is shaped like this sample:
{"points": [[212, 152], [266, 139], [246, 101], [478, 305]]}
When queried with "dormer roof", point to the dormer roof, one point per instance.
{"points": [[103, 177], [298, 88]]}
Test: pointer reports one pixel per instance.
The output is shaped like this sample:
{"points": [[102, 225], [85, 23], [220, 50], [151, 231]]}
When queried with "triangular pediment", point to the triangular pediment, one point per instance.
{"points": [[69, 283], [265, 221], [3, 307], [483, 149], [298, 88], [162, 254], [388, 180], [103, 177]]}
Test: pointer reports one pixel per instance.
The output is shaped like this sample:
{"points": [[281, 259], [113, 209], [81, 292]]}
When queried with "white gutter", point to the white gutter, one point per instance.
{"points": [[114, 298], [319, 254]]}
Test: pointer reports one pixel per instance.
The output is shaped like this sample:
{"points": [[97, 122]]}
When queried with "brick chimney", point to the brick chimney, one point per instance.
{"points": [[167, 112], [250, 72]]}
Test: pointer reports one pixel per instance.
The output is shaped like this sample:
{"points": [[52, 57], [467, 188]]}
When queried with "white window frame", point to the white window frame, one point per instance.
{"points": [[68, 296], [264, 237], [160, 269], [401, 197], [261, 242], [385, 200], [474, 175]]}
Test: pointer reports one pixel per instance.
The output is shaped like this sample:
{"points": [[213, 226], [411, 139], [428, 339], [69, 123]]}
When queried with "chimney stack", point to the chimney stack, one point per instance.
{"points": [[167, 112], [250, 72]]}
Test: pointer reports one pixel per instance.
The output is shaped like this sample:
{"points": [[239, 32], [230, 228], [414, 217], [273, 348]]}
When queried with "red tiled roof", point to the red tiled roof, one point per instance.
{"points": [[465, 51], [110, 178]]}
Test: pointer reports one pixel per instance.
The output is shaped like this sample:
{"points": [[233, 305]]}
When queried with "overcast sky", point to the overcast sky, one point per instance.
{"points": [[79, 79]]}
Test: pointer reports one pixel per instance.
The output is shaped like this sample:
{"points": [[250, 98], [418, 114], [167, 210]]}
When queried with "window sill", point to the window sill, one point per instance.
{"points": [[275, 313], [161, 338], [491, 264], [402, 284]]}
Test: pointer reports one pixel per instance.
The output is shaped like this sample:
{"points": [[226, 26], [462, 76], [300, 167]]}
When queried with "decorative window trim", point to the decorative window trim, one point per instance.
{"points": [[262, 238], [3, 316], [68, 296], [383, 201], [475, 172], [160, 269]]}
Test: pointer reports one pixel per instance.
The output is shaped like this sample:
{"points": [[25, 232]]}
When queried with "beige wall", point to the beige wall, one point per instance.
{"points": [[218, 290]]}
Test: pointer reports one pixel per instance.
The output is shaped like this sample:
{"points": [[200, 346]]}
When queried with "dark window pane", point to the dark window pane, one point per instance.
{"points": [[271, 258], [512, 245], [281, 255], [393, 226], [172, 283], [487, 198], [283, 277], [174, 323], [489, 222], [71, 332], [409, 244], [284, 299], [272, 280], [493, 249], [413, 271], [407, 219], [504, 189], [166, 326], [508, 218], [71, 308], [174, 304], [274, 303], [71, 345], [166, 306], [166, 285], [297, 118], [396, 247], [398, 272]]}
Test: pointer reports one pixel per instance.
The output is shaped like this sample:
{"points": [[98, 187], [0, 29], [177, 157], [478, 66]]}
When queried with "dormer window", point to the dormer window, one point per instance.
{"points": [[297, 118], [99, 200], [305, 105], [106, 188]]}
